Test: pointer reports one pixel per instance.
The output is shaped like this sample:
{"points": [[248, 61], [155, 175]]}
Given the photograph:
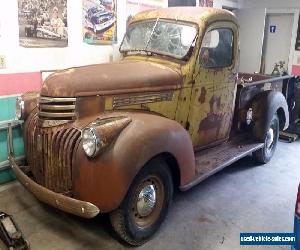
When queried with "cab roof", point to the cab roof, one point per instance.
{"points": [[199, 15]]}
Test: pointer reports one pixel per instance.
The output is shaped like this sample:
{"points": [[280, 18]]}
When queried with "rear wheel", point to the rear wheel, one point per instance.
{"points": [[265, 154], [145, 205]]}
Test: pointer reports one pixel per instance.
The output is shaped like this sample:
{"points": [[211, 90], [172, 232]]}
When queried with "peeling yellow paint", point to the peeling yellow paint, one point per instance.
{"points": [[205, 103]]}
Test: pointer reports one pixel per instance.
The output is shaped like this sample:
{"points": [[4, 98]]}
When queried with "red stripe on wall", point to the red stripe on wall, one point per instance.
{"points": [[296, 70], [19, 83]]}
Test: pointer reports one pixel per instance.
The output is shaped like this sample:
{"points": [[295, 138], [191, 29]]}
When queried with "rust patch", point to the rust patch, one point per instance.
{"points": [[213, 119], [50, 165], [202, 96], [210, 126], [151, 77]]}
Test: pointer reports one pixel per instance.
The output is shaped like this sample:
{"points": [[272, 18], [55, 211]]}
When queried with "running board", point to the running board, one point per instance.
{"points": [[213, 160]]}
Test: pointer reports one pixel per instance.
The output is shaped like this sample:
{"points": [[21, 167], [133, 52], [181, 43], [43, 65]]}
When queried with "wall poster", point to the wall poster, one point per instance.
{"points": [[99, 21], [206, 3], [135, 6], [43, 23]]}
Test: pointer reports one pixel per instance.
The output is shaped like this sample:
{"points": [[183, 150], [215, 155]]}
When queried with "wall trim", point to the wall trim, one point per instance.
{"points": [[296, 70], [13, 84]]}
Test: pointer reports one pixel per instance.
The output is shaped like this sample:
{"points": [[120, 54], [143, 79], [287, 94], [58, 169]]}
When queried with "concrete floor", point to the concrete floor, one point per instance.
{"points": [[242, 198]]}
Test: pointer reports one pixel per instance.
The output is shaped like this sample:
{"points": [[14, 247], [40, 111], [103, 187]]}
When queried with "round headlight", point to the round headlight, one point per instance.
{"points": [[20, 108], [90, 142]]}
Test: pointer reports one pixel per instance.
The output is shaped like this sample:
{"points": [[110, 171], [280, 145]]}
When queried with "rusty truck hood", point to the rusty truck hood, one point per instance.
{"points": [[111, 78]]}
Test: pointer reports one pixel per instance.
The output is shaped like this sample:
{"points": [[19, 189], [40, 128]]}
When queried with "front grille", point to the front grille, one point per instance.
{"points": [[57, 108], [49, 154]]}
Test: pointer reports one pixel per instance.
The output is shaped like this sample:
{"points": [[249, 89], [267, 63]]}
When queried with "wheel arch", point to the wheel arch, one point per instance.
{"points": [[282, 118], [147, 136], [265, 105], [173, 165]]}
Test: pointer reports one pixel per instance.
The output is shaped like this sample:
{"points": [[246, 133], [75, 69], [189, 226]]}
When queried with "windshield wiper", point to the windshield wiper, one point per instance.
{"points": [[154, 27]]}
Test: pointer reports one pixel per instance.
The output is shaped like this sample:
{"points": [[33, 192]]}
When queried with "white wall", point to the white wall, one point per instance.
{"points": [[280, 6], [227, 3], [19, 59], [269, 3], [252, 28]]}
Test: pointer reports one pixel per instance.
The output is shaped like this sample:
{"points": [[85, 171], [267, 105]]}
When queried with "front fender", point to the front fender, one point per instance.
{"points": [[265, 105], [104, 180], [30, 102]]}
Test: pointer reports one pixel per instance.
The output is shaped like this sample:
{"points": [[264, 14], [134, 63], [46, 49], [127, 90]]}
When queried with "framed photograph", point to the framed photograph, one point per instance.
{"points": [[99, 21], [43, 23]]}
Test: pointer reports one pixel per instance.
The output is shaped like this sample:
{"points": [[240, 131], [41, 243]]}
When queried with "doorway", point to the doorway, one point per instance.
{"points": [[277, 42]]}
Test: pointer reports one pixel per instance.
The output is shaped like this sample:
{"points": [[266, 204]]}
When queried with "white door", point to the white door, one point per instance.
{"points": [[278, 40], [252, 28]]}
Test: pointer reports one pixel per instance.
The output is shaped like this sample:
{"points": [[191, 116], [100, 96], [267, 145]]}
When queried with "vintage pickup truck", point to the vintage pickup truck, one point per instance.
{"points": [[119, 137]]}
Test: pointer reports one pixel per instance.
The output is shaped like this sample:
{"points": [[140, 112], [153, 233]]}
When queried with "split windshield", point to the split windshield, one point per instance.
{"points": [[161, 37]]}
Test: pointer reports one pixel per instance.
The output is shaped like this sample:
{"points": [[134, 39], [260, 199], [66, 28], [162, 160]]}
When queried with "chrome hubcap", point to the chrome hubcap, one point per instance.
{"points": [[270, 138], [146, 200]]}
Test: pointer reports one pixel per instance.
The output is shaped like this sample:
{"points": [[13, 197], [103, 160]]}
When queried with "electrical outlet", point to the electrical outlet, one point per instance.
{"points": [[2, 62]]}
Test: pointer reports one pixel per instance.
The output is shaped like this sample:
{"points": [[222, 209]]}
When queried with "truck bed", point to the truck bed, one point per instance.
{"points": [[249, 85], [249, 78]]}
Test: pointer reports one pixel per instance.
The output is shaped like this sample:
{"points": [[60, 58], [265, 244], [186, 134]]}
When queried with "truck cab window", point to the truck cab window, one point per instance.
{"points": [[217, 49]]}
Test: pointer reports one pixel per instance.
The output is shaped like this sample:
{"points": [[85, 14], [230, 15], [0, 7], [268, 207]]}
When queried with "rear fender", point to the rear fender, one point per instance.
{"points": [[265, 105], [104, 180]]}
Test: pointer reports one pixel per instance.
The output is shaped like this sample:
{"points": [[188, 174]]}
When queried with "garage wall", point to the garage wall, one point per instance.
{"points": [[252, 28], [7, 104], [234, 4], [19, 59], [270, 3], [23, 65], [279, 6], [10, 87]]}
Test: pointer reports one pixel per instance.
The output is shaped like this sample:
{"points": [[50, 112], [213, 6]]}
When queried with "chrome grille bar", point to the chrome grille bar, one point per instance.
{"points": [[56, 99], [56, 115], [50, 153], [57, 108]]}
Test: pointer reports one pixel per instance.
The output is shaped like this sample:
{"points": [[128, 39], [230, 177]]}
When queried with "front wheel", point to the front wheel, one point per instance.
{"points": [[265, 154], [145, 205]]}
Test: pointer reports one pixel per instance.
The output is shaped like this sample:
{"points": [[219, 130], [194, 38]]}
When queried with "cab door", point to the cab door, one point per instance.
{"points": [[214, 90]]}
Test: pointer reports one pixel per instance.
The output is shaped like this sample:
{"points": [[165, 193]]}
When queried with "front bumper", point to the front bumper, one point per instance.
{"points": [[80, 208]]}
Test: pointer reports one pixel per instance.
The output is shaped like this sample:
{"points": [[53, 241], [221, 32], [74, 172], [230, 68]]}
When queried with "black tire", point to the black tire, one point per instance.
{"points": [[265, 154], [132, 227]]}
